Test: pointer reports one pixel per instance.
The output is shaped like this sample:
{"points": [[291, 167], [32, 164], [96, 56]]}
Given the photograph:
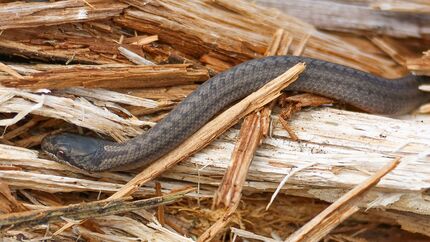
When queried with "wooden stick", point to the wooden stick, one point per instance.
{"points": [[10, 71], [84, 210], [231, 186], [340, 210], [253, 130]]}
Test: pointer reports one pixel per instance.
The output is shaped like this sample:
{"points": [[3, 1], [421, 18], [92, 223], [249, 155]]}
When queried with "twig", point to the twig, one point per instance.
{"points": [[340, 210], [250, 235], [230, 190], [85, 210], [253, 130], [10, 71], [231, 186], [135, 58]]}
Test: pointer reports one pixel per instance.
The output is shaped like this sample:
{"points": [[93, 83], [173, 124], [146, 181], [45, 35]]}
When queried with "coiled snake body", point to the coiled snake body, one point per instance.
{"points": [[363, 90]]}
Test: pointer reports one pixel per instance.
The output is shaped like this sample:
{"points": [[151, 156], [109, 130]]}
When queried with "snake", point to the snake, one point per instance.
{"points": [[365, 91]]}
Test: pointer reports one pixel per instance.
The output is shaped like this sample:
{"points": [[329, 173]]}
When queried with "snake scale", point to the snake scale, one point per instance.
{"points": [[360, 89]]}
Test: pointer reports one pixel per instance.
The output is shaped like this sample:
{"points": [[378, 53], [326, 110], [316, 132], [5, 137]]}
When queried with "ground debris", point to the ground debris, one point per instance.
{"points": [[115, 68]]}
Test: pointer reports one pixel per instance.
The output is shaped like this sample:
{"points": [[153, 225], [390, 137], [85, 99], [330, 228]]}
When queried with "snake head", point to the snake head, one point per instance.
{"points": [[71, 149]]}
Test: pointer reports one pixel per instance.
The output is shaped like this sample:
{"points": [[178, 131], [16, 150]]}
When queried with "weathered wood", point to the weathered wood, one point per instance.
{"points": [[335, 150], [367, 15], [402, 6], [421, 66], [33, 14], [343, 148], [105, 76], [340, 148], [78, 111], [12, 48], [340, 210], [198, 28], [84, 210]]}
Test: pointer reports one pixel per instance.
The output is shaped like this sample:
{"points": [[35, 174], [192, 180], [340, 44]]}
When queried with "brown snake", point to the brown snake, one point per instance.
{"points": [[360, 89]]}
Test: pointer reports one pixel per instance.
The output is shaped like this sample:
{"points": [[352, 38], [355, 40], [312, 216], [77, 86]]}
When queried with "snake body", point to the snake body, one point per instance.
{"points": [[363, 90]]}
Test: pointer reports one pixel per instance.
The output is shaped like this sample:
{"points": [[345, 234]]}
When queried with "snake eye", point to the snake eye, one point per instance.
{"points": [[60, 153]]}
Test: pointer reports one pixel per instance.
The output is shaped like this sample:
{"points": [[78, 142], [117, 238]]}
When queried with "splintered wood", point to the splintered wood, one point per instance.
{"points": [[78, 111], [254, 128], [214, 128], [208, 133], [340, 210], [231, 186], [416, 6], [80, 211], [105, 76], [114, 69], [199, 33], [399, 18], [33, 14], [420, 66]]}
